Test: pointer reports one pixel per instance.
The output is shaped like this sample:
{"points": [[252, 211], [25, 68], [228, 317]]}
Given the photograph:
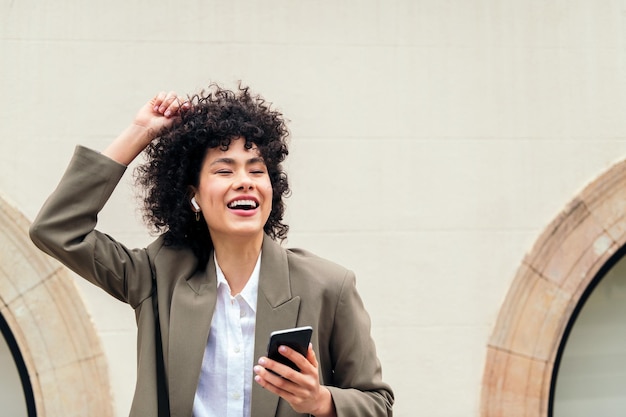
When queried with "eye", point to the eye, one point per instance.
{"points": [[258, 169], [223, 171]]}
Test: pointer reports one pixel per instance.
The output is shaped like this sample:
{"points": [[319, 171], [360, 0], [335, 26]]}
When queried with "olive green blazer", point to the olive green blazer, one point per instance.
{"points": [[296, 288]]}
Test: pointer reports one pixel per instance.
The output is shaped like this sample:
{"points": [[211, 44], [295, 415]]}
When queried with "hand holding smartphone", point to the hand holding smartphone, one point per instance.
{"points": [[297, 338]]}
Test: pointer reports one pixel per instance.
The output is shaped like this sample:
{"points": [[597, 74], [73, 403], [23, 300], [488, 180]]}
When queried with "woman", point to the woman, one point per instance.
{"points": [[210, 289]]}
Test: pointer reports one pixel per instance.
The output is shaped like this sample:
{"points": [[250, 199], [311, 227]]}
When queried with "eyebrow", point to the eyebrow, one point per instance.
{"points": [[231, 161]]}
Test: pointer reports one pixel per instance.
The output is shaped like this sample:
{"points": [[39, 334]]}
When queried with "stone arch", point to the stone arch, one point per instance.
{"points": [[52, 329], [545, 293]]}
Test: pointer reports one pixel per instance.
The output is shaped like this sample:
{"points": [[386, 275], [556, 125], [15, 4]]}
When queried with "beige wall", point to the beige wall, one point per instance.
{"points": [[432, 141]]}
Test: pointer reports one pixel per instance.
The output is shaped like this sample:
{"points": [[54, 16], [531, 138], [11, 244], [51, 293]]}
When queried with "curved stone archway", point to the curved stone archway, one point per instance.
{"points": [[52, 329], [544, 294]]}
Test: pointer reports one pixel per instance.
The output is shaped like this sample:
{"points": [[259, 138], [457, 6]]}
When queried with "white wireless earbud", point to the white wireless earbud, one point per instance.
{"points": [[194, 203]]}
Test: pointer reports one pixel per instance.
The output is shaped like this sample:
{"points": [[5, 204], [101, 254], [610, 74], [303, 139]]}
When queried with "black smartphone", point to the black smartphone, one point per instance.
{"points": [[297, 338]]}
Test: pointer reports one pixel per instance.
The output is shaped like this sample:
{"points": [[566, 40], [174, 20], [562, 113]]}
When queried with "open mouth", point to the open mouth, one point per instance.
{"points": [[243, 205]]}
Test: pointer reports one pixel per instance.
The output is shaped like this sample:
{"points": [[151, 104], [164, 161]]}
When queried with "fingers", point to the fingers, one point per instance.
{"points": [[302, 390], [280, 375], [169, 104], [273, 381], [310, 356], [278, 369], [291, 386], [301, 361]]}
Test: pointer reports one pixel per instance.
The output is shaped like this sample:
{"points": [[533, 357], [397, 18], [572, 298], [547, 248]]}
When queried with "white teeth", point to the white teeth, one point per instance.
{"points": [[243, 203]]}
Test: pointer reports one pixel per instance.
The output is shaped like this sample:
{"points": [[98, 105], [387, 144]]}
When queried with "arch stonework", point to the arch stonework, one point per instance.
{"points": [[53, 331], [544, 294]]}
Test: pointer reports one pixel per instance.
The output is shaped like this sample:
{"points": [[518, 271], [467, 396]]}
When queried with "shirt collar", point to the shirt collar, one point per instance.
{"points": [[251, 289]]}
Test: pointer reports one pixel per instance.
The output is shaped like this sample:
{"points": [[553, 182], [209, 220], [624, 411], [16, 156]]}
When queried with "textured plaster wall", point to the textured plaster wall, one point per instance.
{"points": [[432, 142]]}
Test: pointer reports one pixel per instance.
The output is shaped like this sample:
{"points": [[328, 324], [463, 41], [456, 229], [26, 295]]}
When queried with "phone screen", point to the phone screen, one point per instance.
{"points": [[297, 338]]}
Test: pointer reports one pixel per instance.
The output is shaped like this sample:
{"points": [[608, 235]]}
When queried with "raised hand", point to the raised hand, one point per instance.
{"points": [[152, 117], [159, 112]]}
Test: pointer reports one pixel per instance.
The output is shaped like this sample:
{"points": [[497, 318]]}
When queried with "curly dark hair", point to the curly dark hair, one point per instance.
{"points": [[174, 159]]}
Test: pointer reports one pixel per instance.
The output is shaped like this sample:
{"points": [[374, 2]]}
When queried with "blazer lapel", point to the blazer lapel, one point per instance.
{"points": [[193, 303], [276, 310]]}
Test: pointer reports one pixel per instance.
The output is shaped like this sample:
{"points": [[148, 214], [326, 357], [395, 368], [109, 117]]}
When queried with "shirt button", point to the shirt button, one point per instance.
{"points": [[242, 313], [236, 396], [236, 351]]}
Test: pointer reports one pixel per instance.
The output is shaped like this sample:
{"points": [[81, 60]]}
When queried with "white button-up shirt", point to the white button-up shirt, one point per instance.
{"points": [[225, 384]]}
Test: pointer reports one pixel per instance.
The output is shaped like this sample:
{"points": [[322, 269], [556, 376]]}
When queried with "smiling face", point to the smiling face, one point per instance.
{"points": [[234, 192]]}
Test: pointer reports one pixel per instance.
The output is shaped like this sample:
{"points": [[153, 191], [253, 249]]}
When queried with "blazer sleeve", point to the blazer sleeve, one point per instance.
{"points": [[358, 389], [65, 229]]}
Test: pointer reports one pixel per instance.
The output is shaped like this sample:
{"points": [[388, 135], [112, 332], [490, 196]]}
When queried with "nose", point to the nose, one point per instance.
{"points": [[243, 181]]}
